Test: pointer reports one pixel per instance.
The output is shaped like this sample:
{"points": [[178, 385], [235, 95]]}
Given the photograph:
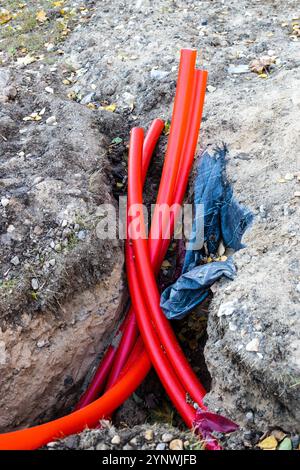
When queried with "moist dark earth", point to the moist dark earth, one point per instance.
{"points": [[71, 87]]}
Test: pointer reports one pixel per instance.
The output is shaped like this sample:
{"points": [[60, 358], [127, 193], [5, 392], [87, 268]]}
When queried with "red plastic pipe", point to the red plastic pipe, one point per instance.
{"points": [[131, 330], [193, 117], [149, 286], [187, 159], [181, 111], [158, 358]]}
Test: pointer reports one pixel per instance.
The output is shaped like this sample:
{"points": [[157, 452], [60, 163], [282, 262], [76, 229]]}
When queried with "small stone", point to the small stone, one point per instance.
{"points": [[127, 447], [116, 440], [227, 308], [167, 437], [34, 284], [237, 69], [41, 343], [298, 287], [160, 446], [76, 228], [149, 435], [253, 345], [4, 201], [101, 446], [134, 441], [51, 121], [297, 193], [158, 74], [10, 228], [64, 223], [250, 416], [211, 88], [88, 98], [176, 444], [52, 262], [50, 90], [15, 261], [289, 177], [52, 444], [81, 235], [57, 247]]}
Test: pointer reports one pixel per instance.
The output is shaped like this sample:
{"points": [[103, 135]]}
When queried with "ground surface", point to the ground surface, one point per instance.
{"points": [[114, 64]]}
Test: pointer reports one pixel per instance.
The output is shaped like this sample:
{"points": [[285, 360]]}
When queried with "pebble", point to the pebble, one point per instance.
{"points": [[10, 228], [158, 74], [64, 223], [51, 120], [48, 89], [116, 440], [227, 309], [88, 98], [297, 193], [15, 261], [253, 345], [236, 69], [176, 444], [4, 201], [101, 446], [127, 447], [52, 262], [250, 416], [57, 247], [149, 435], [167, 437], [289, 177], [34, 284], [298, 287], [81, 235], [211, 88], [134, 441], [160, 446]]}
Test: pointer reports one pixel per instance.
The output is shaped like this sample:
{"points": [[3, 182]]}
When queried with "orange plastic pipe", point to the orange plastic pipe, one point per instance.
{"points": [[181, 112], [131, 330], [158, 358]]}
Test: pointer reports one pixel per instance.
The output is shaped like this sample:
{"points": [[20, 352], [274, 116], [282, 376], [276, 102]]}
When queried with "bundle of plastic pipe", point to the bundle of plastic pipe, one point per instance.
{"points": [[124, 368]]}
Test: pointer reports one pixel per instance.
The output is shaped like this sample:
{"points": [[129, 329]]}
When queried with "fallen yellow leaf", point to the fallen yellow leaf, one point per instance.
{"points": [[111, 107], [41, 16], [5, 16], [166, 264], [269, 443]]}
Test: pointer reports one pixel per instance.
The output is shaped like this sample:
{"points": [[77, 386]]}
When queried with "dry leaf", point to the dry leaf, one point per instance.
{"points": [[111, 107], [166, 264], [262, 64], [5, 16], [32, 117], [41, 16], [269, 443]]}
